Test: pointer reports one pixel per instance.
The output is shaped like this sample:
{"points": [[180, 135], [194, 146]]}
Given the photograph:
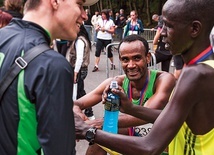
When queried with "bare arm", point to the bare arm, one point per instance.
{"points": [[157, 36], [88, 101]]}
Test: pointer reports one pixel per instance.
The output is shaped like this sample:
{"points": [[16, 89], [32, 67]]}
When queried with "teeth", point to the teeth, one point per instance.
{"points": [[167, 46], [78, 25]]}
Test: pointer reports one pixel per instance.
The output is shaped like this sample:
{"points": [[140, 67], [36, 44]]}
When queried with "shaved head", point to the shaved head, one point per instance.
{"points": [[190, 10]]}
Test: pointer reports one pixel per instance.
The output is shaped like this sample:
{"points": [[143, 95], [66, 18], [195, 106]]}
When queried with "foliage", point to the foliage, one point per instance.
{"points": [[145, 8], [1, 3]]}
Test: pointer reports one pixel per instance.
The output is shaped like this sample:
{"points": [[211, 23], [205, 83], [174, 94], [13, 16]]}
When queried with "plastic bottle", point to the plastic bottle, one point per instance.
{"points": [[111, 110]]}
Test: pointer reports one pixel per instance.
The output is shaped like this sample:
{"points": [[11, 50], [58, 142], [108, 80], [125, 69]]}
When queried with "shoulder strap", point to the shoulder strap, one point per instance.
{"points": [[149, 92], [125, 84], [20, 64]]}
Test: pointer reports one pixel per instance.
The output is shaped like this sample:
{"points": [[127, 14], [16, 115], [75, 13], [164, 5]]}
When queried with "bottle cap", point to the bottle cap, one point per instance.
{"points": [[113, 85]]}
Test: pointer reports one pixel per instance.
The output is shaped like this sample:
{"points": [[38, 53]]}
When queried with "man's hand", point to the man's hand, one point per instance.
{"points": [[125, 104], [98, 123], [79, 112], [80, 127]]}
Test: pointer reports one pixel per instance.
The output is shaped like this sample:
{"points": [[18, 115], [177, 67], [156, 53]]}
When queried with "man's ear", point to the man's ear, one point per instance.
{"points": [[55, 4], [195, 28], [148, 58]]}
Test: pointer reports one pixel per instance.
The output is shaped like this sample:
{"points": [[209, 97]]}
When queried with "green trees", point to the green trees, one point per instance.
{"points": [[1, 3], [145, 8]]}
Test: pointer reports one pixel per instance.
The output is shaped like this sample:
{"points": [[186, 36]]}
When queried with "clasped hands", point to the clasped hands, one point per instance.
{"points": [[81, 121]]}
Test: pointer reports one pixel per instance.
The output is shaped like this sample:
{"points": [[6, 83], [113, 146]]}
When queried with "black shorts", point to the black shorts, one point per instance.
{"points": [[101, 43]]}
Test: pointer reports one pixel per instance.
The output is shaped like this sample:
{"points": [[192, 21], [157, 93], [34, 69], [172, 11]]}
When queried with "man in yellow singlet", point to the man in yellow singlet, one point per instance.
{"points": [[187, 121]]}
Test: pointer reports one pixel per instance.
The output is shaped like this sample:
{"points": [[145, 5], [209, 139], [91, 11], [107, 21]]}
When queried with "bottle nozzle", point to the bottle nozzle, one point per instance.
{"points": [[113, 84]]}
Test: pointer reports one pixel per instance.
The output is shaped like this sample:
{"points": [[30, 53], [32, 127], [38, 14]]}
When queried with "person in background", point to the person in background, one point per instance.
{"points": [[61, 46], [159, 19], [36, 115], [105, 28], [94, 21], [134, 26], [122, 12], [120, 23], [5, 18], [187, 121], [116, 17], [116, 21], [111, 14], [78, 55], [161, 53], [128, 18], [88, 24], [14, 7]]}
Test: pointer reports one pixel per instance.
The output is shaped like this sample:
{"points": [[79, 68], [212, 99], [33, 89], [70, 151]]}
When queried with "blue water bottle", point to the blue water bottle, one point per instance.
{"points": [[111, 110]]}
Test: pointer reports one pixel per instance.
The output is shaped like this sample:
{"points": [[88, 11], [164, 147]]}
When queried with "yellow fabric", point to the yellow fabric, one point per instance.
{"points": [[186, 143], [209, 62], [109, 151]]}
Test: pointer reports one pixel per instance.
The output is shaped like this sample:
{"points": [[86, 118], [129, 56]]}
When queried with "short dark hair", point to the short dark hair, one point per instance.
{"points": [[201, 10], [106, 12], [135, 37]]}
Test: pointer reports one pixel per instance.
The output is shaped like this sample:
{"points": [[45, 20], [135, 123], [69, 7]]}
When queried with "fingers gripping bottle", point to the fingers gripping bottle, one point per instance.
{"points": [[111, 110]]}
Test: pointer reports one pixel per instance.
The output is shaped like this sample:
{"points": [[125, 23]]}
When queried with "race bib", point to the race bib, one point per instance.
{"points": [[142, 130], [133, 32]]}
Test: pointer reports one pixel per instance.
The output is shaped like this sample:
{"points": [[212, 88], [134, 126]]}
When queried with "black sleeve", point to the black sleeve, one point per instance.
{"points": [[51, 90]]}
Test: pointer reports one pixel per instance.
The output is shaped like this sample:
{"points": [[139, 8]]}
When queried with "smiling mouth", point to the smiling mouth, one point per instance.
{"points": [[132, 73]]}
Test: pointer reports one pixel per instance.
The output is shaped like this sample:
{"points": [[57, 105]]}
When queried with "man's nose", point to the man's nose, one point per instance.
{"points": [[84, 15], [131, 64]]}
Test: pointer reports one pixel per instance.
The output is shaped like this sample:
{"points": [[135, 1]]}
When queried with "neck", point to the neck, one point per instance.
{"points": [[32, 16], [194, 49], [139, 84], [134, 20], [137, 90], [204, 55]]}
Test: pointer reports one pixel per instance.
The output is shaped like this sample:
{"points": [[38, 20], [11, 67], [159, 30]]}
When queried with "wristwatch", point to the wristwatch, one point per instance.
{"points": [[90, 135]]}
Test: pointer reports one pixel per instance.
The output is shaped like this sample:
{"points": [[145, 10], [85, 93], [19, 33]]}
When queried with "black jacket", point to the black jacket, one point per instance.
{"points": [[36, 110]]}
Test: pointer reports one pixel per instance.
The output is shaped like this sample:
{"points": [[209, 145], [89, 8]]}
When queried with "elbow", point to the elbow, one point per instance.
{"points": [[148, 150], [152, 150]]}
